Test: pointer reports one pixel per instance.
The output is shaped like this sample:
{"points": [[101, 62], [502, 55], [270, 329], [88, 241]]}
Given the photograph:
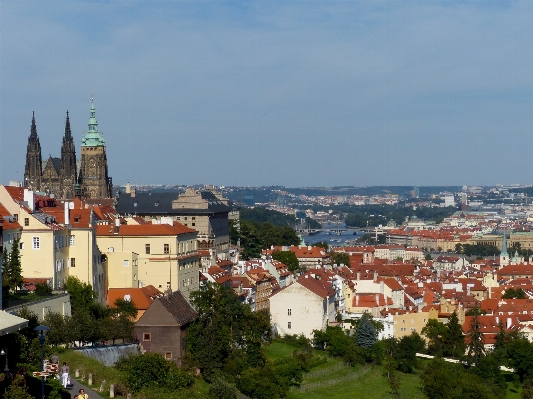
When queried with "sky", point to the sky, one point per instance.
{"points": [[294, 93]]}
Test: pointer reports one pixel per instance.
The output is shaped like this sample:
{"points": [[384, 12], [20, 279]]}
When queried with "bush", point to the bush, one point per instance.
{"points": [[146, 370], [221, 389], [177, 378]]}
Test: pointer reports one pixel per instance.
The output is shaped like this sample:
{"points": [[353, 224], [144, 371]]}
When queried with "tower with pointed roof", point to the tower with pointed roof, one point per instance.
{"points": [[93, 177], [504, 255], [68, 163], [34, 166]]}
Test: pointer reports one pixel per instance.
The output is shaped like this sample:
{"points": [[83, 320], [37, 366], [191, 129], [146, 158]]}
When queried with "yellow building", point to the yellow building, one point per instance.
{"points": [[51, 248], [166, 255], [407, 323]]}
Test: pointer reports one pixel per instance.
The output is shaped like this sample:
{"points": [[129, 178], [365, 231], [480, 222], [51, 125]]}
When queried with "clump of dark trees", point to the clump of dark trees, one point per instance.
{"points": [[90, 322], [226, 343], [254, 237]]}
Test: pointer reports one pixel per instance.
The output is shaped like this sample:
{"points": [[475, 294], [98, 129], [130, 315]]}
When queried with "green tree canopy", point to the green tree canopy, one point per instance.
{"points": [[225, 326], [366, 333], [288, 258], [454, 342], [81, 294], [513, 293]]}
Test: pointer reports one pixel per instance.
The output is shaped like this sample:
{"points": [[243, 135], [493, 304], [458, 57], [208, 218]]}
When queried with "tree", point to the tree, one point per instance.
{"points": [[513, 293], [499, 345], [322, 244], [334, 340], [340, 258], [366, 334], [12, 274], [435, 331], [428, 257], [225, 326], [250, 240], [454, 339], [288, 258], [17, 389], [406, 352], [475, 311], [125, 308], [270, 235], [520, 353], [152, 370], [475, 341], [81, 294]]}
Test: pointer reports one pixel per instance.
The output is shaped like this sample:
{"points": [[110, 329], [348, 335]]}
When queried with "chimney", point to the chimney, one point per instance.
{"points": [[117, 222], [490, 291], [377, 299], [382, 287], [132, 192], [29, 199], [128, 188], [356, 300], [375, 275], [67, 213], [309, 248], [509, 322], [497, 320], [358, 275]]}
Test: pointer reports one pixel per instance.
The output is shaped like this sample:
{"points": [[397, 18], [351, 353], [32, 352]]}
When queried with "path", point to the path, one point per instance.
{"points": [[75, 389]]}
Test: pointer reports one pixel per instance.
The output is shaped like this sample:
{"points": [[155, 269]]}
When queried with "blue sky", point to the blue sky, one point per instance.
{"points": [[303, 93]]}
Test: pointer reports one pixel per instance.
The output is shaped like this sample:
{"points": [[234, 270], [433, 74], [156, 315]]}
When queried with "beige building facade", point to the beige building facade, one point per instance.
{"points": [[166, 255]]}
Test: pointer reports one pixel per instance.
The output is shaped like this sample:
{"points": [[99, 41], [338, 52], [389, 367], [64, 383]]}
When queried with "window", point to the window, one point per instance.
{"points": [[289, 325], [16, 217], [72, 241], [147, 247], [126, 262], [147, 337], [168, 355], [166, 249], [26, 222], [72, 262], [36, 243], [21, 245], [289, 311]]}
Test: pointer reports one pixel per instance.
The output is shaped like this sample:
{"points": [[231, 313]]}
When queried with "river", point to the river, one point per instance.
{"points": [[346, 238]]}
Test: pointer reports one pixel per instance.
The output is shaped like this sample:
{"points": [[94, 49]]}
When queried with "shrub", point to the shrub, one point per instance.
{"points": [[146, 370], [221, 389], [177, 378]]}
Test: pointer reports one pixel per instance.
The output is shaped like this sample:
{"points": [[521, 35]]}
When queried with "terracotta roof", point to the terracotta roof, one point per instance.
{"points": [[141, 297], [143, 230], [319, 287]]}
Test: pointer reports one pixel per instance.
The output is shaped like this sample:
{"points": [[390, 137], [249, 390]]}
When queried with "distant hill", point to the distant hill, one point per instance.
{"points": [[371, 190]]}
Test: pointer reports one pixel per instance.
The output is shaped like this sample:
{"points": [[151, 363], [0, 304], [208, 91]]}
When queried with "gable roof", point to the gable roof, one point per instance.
{"points": [[179, 307], [141, 297], [157, 203]]}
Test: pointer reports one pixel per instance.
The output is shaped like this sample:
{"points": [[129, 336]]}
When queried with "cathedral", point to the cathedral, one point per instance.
{"points": [[63, 177]]}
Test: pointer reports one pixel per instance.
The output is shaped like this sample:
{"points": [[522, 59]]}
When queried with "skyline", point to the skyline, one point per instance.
{"points": [[275, 93]]}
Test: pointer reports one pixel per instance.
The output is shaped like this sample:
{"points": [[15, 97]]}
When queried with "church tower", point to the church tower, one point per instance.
{"points": [[68, 163], [504, 255], [94, 179], [34, 166]]}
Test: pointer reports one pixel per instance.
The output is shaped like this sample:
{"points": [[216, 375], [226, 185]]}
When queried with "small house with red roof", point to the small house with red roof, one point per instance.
{"points": [[303, 306]]}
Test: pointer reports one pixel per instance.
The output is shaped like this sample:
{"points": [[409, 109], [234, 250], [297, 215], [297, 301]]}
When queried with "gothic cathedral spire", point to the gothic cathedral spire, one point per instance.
{"points": [[68, 163], [34, 168]]}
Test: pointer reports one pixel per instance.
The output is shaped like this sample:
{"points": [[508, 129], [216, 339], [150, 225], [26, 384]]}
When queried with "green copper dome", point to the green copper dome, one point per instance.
{"points": [[92, 138]]}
